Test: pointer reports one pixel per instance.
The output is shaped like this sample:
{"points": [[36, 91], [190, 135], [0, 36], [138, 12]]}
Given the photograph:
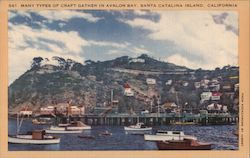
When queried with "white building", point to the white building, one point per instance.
{"points": [[75, 110], [169, 82], [206, 96], [127, 90], [236, 87], [47, 110], [216, 96], [151, 81], [25, 112]]}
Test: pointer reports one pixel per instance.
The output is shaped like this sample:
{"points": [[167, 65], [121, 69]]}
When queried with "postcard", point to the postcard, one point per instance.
{"points": [[124, 78]]}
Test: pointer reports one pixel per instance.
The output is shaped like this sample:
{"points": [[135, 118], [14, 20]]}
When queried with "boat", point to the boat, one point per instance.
{"points": [[236, 133], [106, 133], [61, 130], [162, 135], [86, 136], [33, 137], [41, 122], [138, 127], [183, 123], [78, 125], [37, 137], [185, 144]]}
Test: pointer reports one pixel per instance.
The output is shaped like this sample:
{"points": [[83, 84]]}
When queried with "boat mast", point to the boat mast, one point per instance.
{"points": [[17, 123]]}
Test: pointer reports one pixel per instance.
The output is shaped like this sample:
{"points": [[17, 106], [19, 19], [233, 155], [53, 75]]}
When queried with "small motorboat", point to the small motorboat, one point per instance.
{"points": [[60, 130], [138, 127], [162, 135], [86, 136], [41, 122], [36, 137], [185, 144], [106, 133]]}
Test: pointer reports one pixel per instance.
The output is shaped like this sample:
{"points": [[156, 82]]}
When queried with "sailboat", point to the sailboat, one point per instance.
{"points": [[33, 137], [77, 127]]}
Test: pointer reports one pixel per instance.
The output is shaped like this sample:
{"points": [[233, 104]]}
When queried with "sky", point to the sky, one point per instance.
{"points": [[195, 39]]}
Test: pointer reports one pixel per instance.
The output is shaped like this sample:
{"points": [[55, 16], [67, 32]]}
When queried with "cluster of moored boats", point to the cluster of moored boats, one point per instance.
{"points": [[165, 140]]}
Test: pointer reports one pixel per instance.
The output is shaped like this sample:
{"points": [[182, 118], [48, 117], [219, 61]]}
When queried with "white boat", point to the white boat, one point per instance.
{"points": [[60, 130], [33, 139], [78, 125], [138, 127], [162, 135]]}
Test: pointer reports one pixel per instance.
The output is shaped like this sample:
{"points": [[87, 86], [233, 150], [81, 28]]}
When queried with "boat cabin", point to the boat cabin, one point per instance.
{"points": [[159, 132], [38, 134]]}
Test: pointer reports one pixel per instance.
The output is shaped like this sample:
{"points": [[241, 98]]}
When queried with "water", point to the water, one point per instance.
{"points": [[221, 136]]}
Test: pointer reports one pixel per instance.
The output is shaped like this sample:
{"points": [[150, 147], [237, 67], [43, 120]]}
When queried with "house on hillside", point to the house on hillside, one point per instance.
{"points": [[205, 96], [151, 81], [216, 96], [26, 112], [128, 90], [214, 107], [169, 106], [197, 85]]}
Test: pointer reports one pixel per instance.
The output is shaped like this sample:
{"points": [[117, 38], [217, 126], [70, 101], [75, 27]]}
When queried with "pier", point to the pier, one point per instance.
{"points": [[156, 119]]}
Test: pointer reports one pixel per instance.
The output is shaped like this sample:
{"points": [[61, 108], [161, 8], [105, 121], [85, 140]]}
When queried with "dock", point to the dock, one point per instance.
{"points": [[156, 119]]}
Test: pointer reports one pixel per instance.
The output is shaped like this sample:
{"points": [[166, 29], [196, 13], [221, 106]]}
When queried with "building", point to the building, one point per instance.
{"points": [[127, 90], [216, 96], [236, 87], [214, 87], [151, 81], [206, 96], [185, 83], [47, 110], [26, 112], [74, 110], [169, 82], [169, 106], [214, 107], [197, 85]]}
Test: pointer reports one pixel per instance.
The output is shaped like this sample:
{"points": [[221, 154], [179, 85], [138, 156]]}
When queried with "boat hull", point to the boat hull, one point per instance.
{"points": [[79, 128], [182, 145], [150, 137], [27, 139], [62, 131], [137, 129]]}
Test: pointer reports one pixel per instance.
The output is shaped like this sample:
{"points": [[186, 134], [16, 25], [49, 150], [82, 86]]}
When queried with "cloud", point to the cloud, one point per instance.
{"points": [[197, 33], [22, 13], [66, 15], [25, 43], [110, 44]]}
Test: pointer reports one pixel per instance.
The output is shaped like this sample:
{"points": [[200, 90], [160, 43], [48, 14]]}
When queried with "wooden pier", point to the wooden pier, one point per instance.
{"points": [[156, 119]]}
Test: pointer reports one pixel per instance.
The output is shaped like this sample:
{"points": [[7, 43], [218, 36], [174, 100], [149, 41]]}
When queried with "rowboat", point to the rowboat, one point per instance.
{"points": [[86, 136], [106, 133]]}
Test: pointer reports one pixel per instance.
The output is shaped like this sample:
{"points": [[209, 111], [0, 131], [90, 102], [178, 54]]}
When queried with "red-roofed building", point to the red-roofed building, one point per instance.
{"points": [[216, 96], [127, 90]]}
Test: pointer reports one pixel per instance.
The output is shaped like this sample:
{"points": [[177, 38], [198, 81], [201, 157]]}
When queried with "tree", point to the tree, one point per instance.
{"points": [[36, 62]]}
